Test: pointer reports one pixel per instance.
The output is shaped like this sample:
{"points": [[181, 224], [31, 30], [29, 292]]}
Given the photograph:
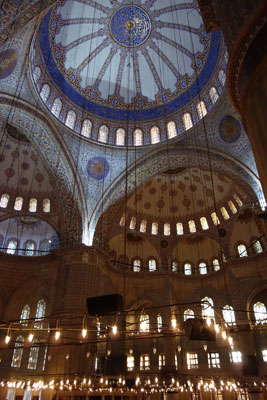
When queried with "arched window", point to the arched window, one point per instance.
{"points": [[216, 264], [187, 269], [260, 312], [44, 247], [120, 137], [25, 315], [159, 322], [45, 92], [143, 226], [174, 266], [46, 205], [70, 119], [86, 128], [213, 95], [171, 129], [132, 223], [154, 135], [257, 247], [201, 109], [225, 213], [103, 134], [29, 248], [202, 268], [144, 323], [12, 246], [40, 314], [56, 107], [242, 250], [204, 223], [167, 229], [33, 356], [18, 352], [123, 220], [18, 203], [33, 205], [187, 120], [192, 226], [237, 199], [228, 315], [179, 228], [154, 228], [232, 207], [4, 200], [222, 77], [152, 265], [36, 74], [136, 265], [138, 137], [214, 218], [188, 314], [207, 307]]}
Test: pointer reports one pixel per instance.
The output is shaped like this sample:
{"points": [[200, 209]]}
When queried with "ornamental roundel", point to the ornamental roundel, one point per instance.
{"points": [[229, 129], [97, 168], [130, 26], [8, 62]]}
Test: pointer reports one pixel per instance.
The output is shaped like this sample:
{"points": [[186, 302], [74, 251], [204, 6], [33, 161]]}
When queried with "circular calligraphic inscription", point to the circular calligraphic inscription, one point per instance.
{"points": [[8, 62], [97, 168], [130, 26], [229, 129]]}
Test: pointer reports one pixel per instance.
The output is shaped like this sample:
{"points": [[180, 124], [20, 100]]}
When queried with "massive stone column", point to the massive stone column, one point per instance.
{"points": [[244, 25]]}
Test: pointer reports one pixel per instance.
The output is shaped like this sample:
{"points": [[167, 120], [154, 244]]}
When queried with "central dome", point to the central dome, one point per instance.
{"points": [[130, 26], [128, 62]]}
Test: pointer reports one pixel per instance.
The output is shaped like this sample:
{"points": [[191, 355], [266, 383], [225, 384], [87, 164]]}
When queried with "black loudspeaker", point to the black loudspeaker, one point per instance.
{"points": [[198, 329], [250, 366], [101, 305]]}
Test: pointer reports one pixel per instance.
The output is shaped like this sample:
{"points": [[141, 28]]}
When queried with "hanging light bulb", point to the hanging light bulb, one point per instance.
{"points": [[114, 329], [7, 338], [30, 337], [57, 335], [174, 322], [154, 350], [84, 332]]}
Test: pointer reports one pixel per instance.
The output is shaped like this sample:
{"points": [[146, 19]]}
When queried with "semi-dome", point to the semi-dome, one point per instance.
{"points": [[112, 70]]}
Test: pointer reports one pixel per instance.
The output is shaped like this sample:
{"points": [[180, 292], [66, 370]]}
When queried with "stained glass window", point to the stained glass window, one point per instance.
{"points": [[201, 109], [70, 120], [232, 207], [120, 137], [144, 362], [222, 77], [214, 360], [152, 265], [229, 315], [154, 229], [154, 135], [214, 218], [144, 323], [258, 247], [132, 223], [192, 360], [188, 314], [162, 361], [45, 92], [122, 220], [143, 226], [202, 268], [86, 128], [187, 269], [12, 246], [192, 226], [136, 265], [179, 228], [138, 137], [204, 223], [33, 205], [36, 74], [25, 315], [56, 107], [171, 129], [237, 199], [130, 363], [167, 229], [18, 352], [216, 264], [225, 213], [242, 250], [29, 248], [46, 205], [187, 121], [33, 356], [159, 322], [174, 266], [40, 314], [207, 307], [18, 203], [213, 95], [4, 200], [260, 312]]}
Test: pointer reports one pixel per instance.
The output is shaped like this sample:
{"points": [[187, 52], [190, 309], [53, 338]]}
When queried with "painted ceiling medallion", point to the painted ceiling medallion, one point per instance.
{"points": [[130, 26]]}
